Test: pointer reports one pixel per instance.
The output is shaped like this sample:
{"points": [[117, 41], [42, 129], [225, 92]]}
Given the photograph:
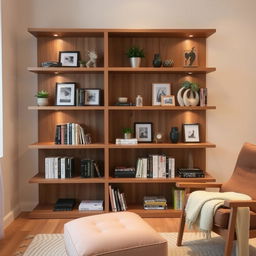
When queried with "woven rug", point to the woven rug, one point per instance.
{"points": [[193, 245]]}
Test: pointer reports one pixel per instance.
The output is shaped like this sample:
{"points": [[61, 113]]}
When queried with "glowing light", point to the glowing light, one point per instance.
{"points": [[56, 35], [190, 35], [190, 73]]}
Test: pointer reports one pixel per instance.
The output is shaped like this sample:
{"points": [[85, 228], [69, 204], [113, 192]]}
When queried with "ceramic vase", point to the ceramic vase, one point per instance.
{"points": [[42, 101], [157, 62], [135, 62], [192, 99], [174, 135], [127, 135], [179, 96]]}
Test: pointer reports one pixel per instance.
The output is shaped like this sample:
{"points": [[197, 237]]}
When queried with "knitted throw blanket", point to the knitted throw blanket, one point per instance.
{"points": [[201, 207]]}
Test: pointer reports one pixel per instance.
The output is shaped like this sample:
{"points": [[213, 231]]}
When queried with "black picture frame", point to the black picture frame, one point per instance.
{"points": [[143, 132], [65, 94], [92, 97], [69, 58], [191, 133]]}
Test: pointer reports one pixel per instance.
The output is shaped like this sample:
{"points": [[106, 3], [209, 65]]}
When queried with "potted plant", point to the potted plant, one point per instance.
{"points": [[190, 96], [127, 133], [135, 54], [42, 98], [82, 63]]}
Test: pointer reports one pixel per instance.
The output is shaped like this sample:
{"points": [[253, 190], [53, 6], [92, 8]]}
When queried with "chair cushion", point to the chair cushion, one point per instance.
{"points": [[221, 218], [113, 234]]}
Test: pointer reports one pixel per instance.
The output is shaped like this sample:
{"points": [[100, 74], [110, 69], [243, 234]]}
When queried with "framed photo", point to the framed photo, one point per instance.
{"points": [[65, 94], [92, 97], [191, 133], [159, 90], [168, 100], [190, 57], [69, 59], [144, 132]]}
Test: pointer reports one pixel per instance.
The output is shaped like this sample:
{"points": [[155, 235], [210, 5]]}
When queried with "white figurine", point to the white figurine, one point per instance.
{"points": [[92, 61]]}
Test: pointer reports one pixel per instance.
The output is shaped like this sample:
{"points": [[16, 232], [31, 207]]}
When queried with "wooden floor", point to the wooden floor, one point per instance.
{"points": [[23, 226]]}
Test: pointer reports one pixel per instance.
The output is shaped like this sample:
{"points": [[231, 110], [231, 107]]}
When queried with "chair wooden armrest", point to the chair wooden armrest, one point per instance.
{"points": [[198, 185], [240, 203]]}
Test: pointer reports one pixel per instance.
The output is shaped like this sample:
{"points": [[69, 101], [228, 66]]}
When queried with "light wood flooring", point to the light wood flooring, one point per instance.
{"points": [[23, 226]]}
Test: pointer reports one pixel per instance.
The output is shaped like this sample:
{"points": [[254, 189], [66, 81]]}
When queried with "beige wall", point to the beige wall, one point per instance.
{"points": [[232, 50], [10, 107]]}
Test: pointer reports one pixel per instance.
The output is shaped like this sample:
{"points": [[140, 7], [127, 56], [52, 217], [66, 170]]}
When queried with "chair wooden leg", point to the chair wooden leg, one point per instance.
{"points": [[181, 227], [231, 232]]}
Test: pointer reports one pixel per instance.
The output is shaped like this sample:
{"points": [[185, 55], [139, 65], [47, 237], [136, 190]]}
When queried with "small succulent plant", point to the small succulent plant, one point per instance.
{"points": [[188, 85], [127, 130], [42, 94], [135, 51]]}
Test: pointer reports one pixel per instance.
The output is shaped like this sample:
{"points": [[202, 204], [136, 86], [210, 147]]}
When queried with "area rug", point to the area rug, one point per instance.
{"points": [[193, 245]]}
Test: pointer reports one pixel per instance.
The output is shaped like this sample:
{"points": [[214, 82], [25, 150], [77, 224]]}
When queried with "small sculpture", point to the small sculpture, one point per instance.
{"points": [[190, 57], [92, 61], [157, 62]]}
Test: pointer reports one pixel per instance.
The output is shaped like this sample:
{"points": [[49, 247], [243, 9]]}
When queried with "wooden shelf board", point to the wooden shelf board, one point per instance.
{"points": [[51, 145], [162, 180], [39, 178], [59, 70], [71, 32], [66, 32], [173, 108], [61, 108], [163, 70], [46, 212], [168, 213], [166, 145]]}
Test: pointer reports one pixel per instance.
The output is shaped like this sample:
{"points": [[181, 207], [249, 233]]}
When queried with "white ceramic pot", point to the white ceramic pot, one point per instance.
{"points": [[193, 98], [127, 135], [42, 101], [180, 96], [135, 62]]}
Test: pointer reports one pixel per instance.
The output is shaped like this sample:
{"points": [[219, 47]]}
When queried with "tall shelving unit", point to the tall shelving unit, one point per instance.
{"points": [[105, 123]]}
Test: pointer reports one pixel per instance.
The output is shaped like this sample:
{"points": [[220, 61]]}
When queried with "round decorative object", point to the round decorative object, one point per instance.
{"points": [[157, 62], [174, 135], [179, 96], [159, 137], [193, 98], [168, 63], [42, 101], [135, 62]]}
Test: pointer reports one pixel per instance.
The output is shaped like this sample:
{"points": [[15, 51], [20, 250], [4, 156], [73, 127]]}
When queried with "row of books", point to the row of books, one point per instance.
{"points": [[59, 167], [155, 166], [178, 199], [71, 134], [89, 169], [91, 205], [155, 203], [117, 200]]}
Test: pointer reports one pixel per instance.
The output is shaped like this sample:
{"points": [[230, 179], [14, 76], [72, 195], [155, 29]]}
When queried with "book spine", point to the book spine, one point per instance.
{"points": [[65, 134], [46, 167], [62, 163], [155, 166], [62, 134], [59, 167]]}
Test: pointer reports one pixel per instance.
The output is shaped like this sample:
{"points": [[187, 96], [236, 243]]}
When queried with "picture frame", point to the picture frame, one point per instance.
{"points": [[159, 90], [168, 100], [144, 132], [69, 58], [65, 94], [191, 57], [92, 97], [191, 133]]}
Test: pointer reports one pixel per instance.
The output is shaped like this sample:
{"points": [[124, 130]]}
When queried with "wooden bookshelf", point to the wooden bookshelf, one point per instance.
{"points": [[105, 123]]}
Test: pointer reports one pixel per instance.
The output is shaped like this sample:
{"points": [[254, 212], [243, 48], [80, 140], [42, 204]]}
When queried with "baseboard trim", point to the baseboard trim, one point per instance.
{"points": [[28, 206], [11, 216]]}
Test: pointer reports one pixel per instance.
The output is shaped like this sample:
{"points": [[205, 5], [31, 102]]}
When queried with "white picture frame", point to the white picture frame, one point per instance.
{"points": [[191, 133], [158, 90], [168, 100], [65, 94]]}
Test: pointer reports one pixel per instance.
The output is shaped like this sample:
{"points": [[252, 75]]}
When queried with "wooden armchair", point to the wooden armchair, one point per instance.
{"points": [[242, 181]]}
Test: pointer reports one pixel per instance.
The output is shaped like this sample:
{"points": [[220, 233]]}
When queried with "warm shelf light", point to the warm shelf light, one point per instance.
{"points": [[190, 35], [56, 73], [190, 73], [56, 35]]}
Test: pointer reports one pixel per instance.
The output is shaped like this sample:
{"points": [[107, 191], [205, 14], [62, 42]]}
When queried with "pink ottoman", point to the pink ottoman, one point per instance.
{"points": [[113, 234]]}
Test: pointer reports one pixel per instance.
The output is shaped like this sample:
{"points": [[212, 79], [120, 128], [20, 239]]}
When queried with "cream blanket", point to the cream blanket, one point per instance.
{"points": [[201, 207]]}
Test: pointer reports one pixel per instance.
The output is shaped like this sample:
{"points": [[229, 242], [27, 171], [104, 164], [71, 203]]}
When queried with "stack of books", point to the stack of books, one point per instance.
{"points": [[59, 167], [155, 166], [117, 200], [71, 134], [124, 172], [178, 199], [64, 204], [190, 173], [91, 205], [155, 203], [126, 141], [89, 169]]}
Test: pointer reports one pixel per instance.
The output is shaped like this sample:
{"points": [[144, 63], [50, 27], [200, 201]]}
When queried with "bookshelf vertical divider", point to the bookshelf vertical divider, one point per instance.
{"points": [[114, 76]]}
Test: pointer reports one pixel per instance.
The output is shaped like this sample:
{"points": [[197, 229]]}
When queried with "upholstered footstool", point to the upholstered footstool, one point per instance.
{"points": [[113, 234]]}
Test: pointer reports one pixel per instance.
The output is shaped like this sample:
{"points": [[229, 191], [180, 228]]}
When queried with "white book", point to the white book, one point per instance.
{"points": [[68, 131], [62, 168], [163, 166], [155, 166], [76, 133], [138, 169], [51, 169], [46, 167], [144, 167], [55, 166], [73, 133], [171, 167]]}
